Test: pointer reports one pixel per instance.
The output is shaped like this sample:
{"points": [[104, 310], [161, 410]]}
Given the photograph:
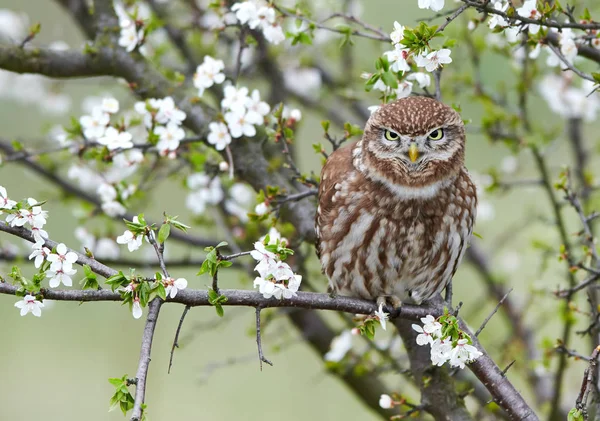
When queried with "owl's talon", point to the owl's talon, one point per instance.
{"points": [[332, 291], [394, 300]]}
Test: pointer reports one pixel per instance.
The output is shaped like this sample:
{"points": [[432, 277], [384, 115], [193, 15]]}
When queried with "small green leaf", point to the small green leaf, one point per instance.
{"points": [[164, 233], [575, 415], [390, 79]]}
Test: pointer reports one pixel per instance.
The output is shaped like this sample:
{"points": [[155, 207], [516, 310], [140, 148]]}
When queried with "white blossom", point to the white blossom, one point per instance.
{"points": [[423, 338], [340, 345], [60, 275], [434, 59], [39, 253], [381, 316], [239, 125], [168, 112], [94, 125], [114, 139], [485, 211], [261, 253], [398, 58], [422, 79], [133, 241], [106, 192], [110, 105], [174, 285], [35, 217], [136, 308], [218, 135], [113, 208], [5, 202], [463, 353], [256, 109], [261, 209], [529, 10], [386, 402], [169, 137], [247, 13], [435, 5], [30, 304], [209, 73], [404, 89], [13, 25], [440, 351], [235, 99], [205, 191], [130, 36], [274, 34], [106, 248], [397, 34], [62, 259], [497, 20], [274, 237]]}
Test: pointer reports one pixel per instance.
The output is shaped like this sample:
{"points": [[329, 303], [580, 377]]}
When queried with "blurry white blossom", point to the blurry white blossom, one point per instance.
{"points": [[209, 73], [340, 345], [435, 5]]}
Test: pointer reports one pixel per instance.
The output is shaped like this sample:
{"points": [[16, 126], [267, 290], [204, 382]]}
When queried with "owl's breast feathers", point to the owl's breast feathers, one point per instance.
{"points": [[374, 240]]}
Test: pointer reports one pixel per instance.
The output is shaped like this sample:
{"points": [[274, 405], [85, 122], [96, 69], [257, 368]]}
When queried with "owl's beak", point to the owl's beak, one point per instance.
{"points": [[413, 152]]}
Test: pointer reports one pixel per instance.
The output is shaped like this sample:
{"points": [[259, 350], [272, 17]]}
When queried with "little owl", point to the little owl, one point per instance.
{"points": [[396, 209]]}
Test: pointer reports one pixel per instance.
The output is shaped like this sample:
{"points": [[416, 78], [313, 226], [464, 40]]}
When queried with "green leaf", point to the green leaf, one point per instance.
{"points": [[390, 79], [164, 232], [219, 310], [575, 415], [225, 263]]}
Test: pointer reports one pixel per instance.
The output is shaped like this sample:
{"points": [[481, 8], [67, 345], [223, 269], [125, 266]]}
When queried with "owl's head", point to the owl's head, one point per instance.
{"points": [[413, 142]]}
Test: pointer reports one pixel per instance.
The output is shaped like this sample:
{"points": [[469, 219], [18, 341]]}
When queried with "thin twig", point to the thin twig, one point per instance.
{"points": [[176, 339], [487, 319], [144, 362], [261, 357]]}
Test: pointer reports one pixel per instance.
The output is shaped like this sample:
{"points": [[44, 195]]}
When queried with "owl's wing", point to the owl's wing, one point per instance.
{"points": [[338, 166]]}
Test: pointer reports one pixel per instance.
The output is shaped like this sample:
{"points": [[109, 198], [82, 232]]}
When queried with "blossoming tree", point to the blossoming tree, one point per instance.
{"points": [[218, 97]]}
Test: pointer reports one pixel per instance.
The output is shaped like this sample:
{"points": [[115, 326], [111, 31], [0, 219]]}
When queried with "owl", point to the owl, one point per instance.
{"points": [[396, 209]]}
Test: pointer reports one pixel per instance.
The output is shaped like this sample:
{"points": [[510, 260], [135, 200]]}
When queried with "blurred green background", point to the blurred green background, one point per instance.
{"points": [[57, 367]]}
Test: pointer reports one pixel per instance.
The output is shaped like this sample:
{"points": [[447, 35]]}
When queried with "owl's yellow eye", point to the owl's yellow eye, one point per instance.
{"points": [[437, 134], [390, 135]]}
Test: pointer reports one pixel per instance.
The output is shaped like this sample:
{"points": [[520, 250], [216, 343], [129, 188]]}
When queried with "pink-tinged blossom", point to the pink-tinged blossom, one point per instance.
{"points": [[463, 353], [529, 10], [39, 253], [434, 59], [60, 276], [136, 308], [5, 202], [63, 259], [172, 286], [29, 304]]}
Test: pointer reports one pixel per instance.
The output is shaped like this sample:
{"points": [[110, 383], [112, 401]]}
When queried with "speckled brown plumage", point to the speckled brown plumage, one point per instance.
{"points": [[388, 227]]}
